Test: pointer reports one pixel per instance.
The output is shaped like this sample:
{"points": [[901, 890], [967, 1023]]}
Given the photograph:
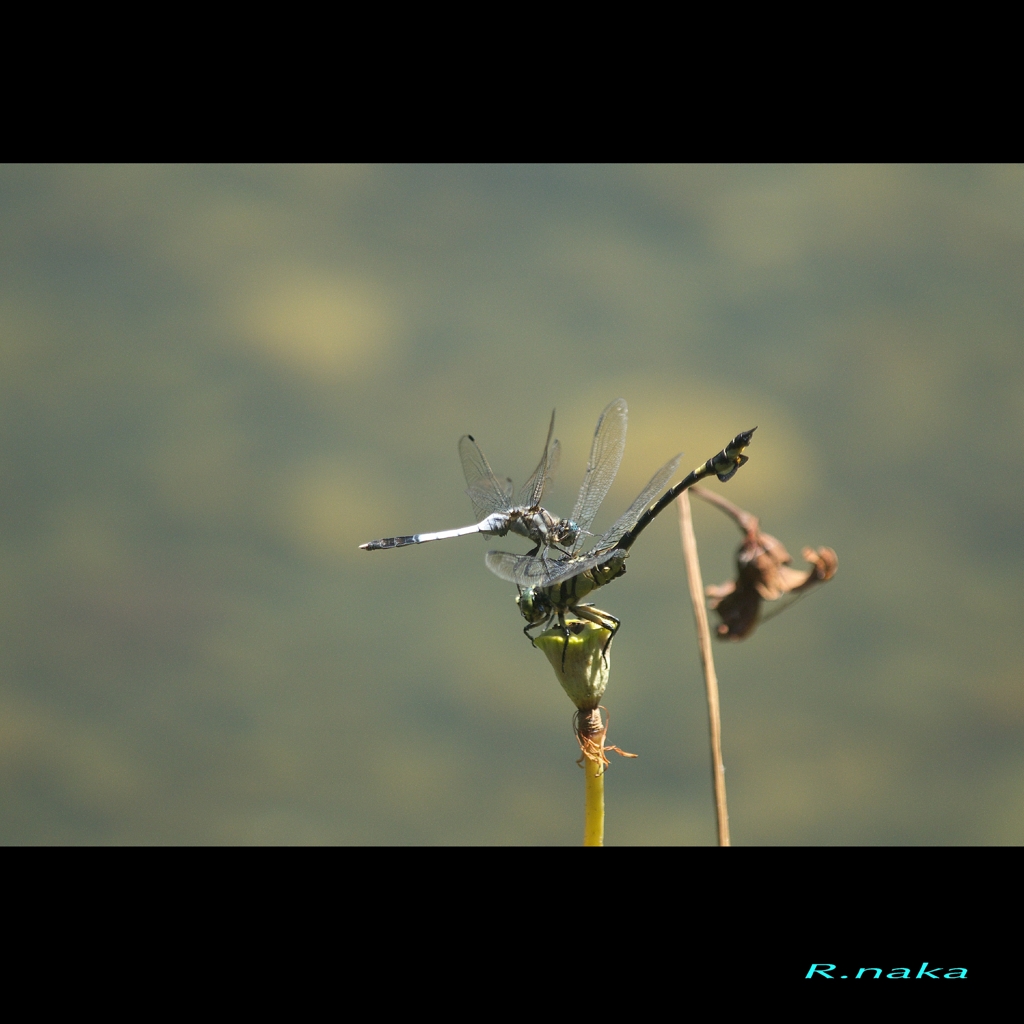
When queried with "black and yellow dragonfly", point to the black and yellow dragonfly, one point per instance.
{"points": [[550, 588]]}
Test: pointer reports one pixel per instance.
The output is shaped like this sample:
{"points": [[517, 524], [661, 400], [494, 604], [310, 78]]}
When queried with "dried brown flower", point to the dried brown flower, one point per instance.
{"points": [[764, 572]]}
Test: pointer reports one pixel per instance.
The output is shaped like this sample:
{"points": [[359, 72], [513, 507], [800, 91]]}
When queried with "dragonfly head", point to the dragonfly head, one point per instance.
{"points": [[534, 606], [565, 532]]}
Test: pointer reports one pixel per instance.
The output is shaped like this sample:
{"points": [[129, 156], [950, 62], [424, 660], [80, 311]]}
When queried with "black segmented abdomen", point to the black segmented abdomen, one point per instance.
{"points": [[389, 542]]}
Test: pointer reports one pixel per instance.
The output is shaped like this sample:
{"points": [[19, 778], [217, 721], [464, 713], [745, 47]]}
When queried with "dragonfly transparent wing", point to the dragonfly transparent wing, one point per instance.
{"points": [[529, 571], [524, 570], [631, 516], [487, 493], [605, 456], [533, 489]]}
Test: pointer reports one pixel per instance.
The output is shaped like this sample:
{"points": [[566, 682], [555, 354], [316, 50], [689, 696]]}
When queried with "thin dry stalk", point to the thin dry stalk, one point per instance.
{"points": [[700, 614]]}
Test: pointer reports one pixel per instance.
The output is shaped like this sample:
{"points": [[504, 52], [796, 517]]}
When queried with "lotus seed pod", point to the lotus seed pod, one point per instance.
{"points": [[582, 668]]}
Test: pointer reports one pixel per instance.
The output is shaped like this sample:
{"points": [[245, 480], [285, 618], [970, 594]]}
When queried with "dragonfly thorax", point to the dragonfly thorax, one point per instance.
{"points": [[540, 526], [539, 605]]}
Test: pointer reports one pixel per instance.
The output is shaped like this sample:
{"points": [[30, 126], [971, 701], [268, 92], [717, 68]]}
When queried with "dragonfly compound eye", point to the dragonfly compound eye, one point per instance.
{"points": [[533, 606], [567, 532]]}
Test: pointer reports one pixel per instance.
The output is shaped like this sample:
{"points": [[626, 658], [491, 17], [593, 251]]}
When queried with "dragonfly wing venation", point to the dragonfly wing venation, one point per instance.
{"points": [[605, 456], [530, 571], [630, 517], [485, 491], [533, 490], [523, 570], [562, 571]]}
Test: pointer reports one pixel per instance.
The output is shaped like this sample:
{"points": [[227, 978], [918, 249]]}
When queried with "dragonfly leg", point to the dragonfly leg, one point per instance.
{"points": [[565, 636], [603, 619], [613, 629]]}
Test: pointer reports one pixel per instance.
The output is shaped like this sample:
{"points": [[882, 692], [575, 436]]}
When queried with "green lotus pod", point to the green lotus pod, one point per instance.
{"points": [[582, 666]]}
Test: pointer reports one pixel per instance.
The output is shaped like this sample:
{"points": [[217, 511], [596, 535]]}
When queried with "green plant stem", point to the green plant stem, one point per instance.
{"points": [[700, 614], [593, 825], [581, 664]]}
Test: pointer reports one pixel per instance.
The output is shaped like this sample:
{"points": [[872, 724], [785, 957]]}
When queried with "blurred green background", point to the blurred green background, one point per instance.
{"points": [[215, 382]]}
